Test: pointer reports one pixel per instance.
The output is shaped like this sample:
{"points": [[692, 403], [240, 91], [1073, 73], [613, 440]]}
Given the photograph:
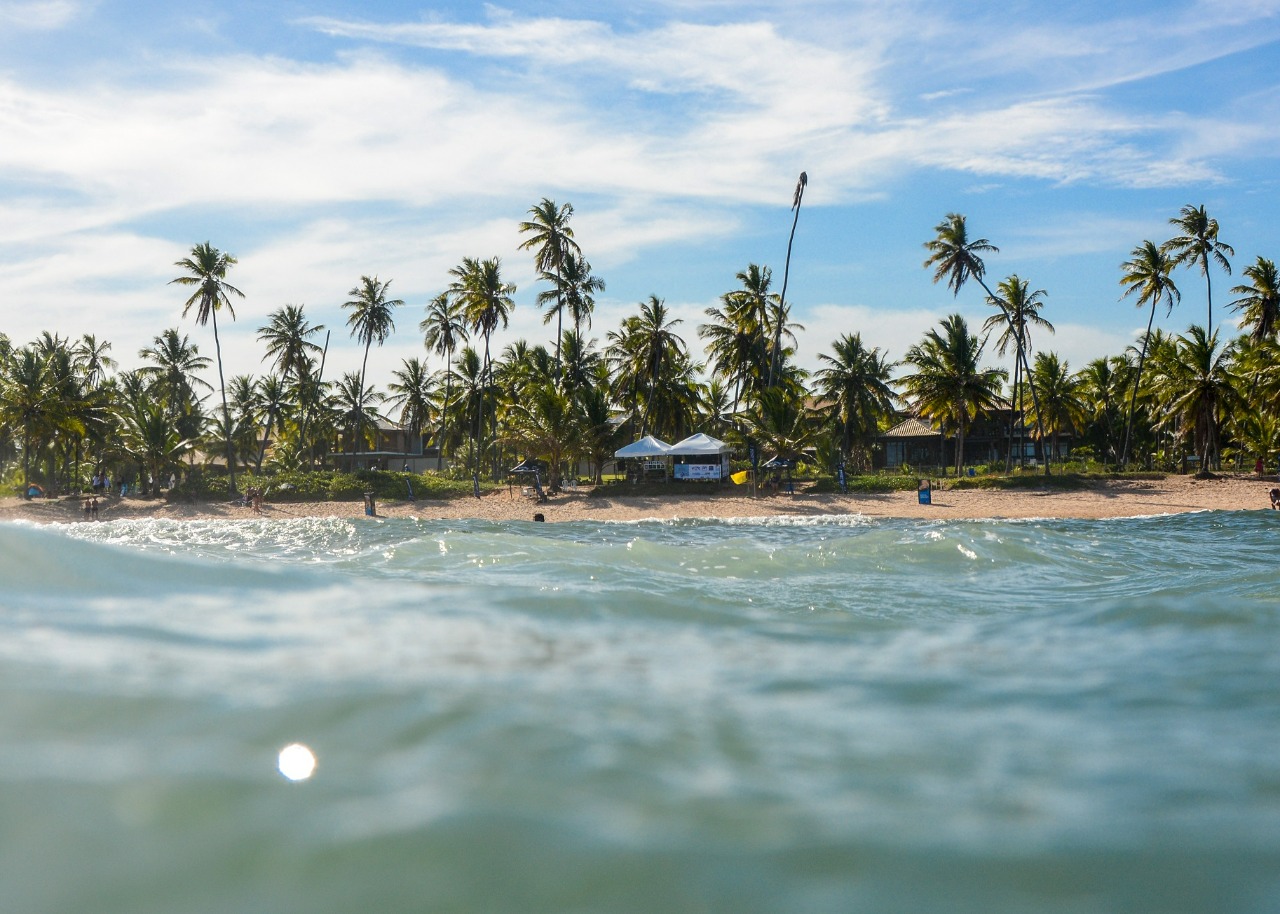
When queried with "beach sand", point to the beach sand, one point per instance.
{"points": [[1121, 498]]}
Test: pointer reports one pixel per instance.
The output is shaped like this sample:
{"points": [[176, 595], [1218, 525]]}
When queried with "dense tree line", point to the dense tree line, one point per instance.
{"points": [[67, 412]]}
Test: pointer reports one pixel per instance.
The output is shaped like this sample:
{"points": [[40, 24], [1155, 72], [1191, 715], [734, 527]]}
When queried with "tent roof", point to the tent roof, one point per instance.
{"points": [[699, 444], [648, 446]]}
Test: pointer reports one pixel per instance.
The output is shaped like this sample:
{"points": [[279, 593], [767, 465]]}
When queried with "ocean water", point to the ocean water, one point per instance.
{"points": [[829, 715]]}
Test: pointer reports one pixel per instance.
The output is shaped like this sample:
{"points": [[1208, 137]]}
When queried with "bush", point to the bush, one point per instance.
{"points": [[326, 485]]}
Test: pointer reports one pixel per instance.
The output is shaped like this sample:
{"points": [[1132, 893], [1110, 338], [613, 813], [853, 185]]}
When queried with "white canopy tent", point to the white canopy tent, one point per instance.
{"points": [[698, 445], [648, 446], [700, 457]]}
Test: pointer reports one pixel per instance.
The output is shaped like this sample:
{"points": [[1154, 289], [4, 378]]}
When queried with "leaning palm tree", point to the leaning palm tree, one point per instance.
{"points": [[1198, 245], [956, 259], [549, 232], [1260, 300], [370, 320], [206, 269], [1147, 275], [949, 384]]}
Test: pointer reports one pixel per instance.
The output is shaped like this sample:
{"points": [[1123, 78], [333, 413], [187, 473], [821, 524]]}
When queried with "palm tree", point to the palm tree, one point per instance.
{"points": [[274, 404], [1103, 383], [1019, 309], [91, 359], [644, 351], [371, 319], [573, 287], [1200, 390], [206, 269], [949, 384], [486, 303], [1060, 398], [1260, 300], [1147, 274], [737, 336], [287, 335], [175, 364], [856, 383], [443, 328], [412, 391], [781, 423], [549, 232], [1198, 245], [956, 259], [775, 365], [355, 407]]}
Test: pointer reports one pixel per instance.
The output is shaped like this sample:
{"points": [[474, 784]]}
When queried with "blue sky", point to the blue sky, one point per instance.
{"points": [[321, 141]]}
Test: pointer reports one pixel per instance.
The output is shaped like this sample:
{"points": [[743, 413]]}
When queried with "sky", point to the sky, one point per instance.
{"points": [[319, 142]]}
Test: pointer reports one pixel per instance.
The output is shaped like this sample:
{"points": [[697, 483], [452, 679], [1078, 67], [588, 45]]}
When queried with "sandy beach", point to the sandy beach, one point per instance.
{"points": [[1126, 498]]}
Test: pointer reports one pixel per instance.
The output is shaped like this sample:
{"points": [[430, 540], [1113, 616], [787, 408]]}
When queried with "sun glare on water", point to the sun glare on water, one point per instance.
{"points": [[296, 762]]}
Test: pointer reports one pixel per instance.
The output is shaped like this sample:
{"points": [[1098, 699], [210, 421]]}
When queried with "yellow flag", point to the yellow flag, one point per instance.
{"points": [[740, 478]]}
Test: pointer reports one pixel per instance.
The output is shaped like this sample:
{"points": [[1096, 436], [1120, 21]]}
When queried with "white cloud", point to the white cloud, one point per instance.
{"points": [[39, 15]]}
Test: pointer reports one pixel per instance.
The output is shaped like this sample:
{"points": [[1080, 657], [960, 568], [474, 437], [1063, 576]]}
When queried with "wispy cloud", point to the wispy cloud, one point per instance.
{"points": [[39, 15]]}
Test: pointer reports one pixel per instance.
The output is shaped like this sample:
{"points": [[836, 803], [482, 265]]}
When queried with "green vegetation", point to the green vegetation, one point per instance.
{"points": [[1173, 402]]}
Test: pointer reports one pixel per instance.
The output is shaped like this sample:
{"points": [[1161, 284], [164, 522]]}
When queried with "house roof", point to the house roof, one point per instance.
{"points": [[911, 428]]}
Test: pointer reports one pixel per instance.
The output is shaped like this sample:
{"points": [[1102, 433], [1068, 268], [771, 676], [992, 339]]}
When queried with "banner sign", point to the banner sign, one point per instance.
{"points": [[696, 471]]}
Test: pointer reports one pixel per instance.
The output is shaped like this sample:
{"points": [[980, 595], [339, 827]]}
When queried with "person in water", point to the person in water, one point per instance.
{"points": [[1275, 499]]}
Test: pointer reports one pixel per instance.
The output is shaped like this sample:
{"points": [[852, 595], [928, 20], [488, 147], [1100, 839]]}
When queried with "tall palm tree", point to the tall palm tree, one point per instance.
{"points": [[573, 287], [775, 363], [1260, 300], [552, 237], [486, 304], [856, 383], [955, 258], [371, 320], [1019, 311], [206, 269], [274, 404], [1198, 245], [287, 335], [949, 384], [1146, 273], [443, 329]]}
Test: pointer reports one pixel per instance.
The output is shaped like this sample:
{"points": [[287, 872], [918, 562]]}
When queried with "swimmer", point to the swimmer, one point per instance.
{"points": [[1275, 499]]}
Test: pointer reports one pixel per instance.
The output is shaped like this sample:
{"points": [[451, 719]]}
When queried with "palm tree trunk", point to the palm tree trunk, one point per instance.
{"points": [[444, 412], [360, 396], [774, 361], [226, 413], [1208, 286], [1137, 381]]}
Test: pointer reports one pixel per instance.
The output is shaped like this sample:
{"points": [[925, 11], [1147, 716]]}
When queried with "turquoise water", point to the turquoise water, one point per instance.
{"points": [[787, 716]]}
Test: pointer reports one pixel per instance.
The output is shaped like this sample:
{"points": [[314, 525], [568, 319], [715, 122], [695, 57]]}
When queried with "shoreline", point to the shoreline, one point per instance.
{"points": [[1110, 499]]}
